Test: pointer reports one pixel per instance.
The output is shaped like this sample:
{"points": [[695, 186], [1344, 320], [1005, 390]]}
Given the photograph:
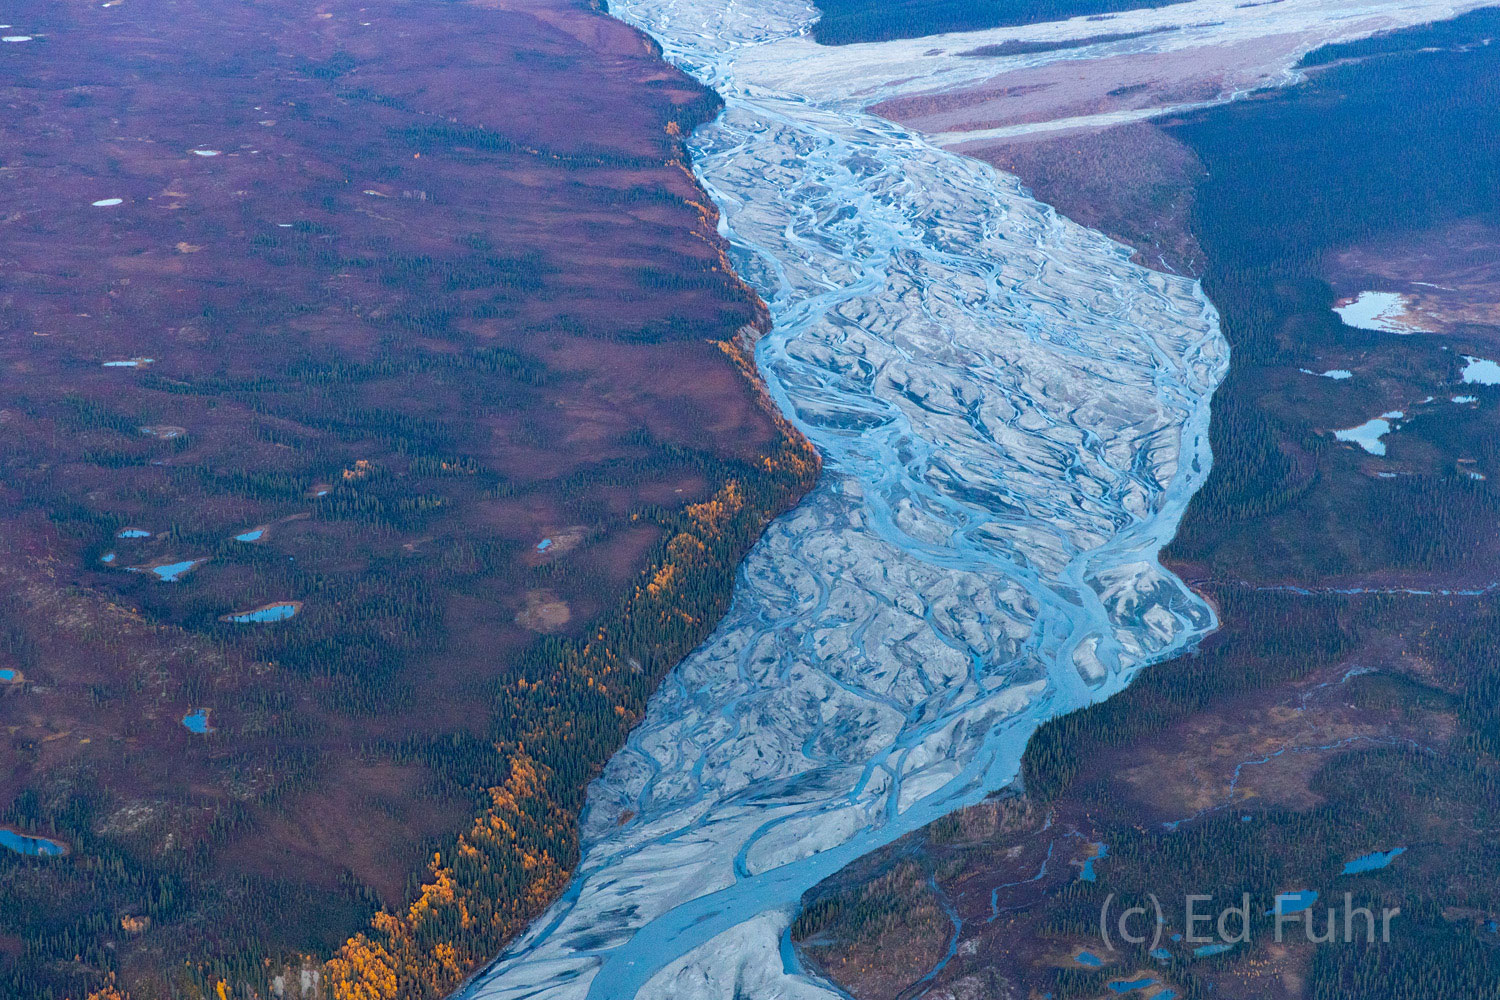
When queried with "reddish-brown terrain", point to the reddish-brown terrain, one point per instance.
{"points": [[424, 293], [1003, 900], [1132, 182]]}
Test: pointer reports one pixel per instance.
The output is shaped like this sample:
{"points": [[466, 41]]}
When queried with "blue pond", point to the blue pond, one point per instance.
{"points": [[107, 558], [1088, 958], [269, 613], [22, 844], [172, 571], [133, 533], [7, 674], [1128, 986], [544, 545], [1294, 902], [197, 721], [1481, 371], [1088, 866], [1160, 954], [1212, 949], [1373, 860], [253, 535]]}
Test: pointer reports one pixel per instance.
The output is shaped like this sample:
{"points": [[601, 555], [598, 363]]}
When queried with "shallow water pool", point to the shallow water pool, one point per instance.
{"points": [[1481, 371], [1294, 902], [1131, 985], [197, 721], [34, 846], [1368, 434], [1372, 861], [270, 613], [1385, 311], [170, 572]]}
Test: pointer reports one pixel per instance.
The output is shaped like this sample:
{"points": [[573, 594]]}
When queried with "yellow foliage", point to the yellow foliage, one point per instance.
{"points": [[713, 515], [661, 580], [362, 468], [419, 949], [501, 872]]}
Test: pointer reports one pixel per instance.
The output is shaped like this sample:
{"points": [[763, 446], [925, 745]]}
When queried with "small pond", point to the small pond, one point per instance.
{"points": [[1131, 985], [197, 721], [1294, 902], [1385, 311], [172, 572], [1368, 434], [1372, 861], [1481, 371], [34, 846], [278, 612]]}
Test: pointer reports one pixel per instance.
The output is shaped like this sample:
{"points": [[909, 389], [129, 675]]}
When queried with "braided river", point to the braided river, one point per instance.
{"points": [[1013, 417]]}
